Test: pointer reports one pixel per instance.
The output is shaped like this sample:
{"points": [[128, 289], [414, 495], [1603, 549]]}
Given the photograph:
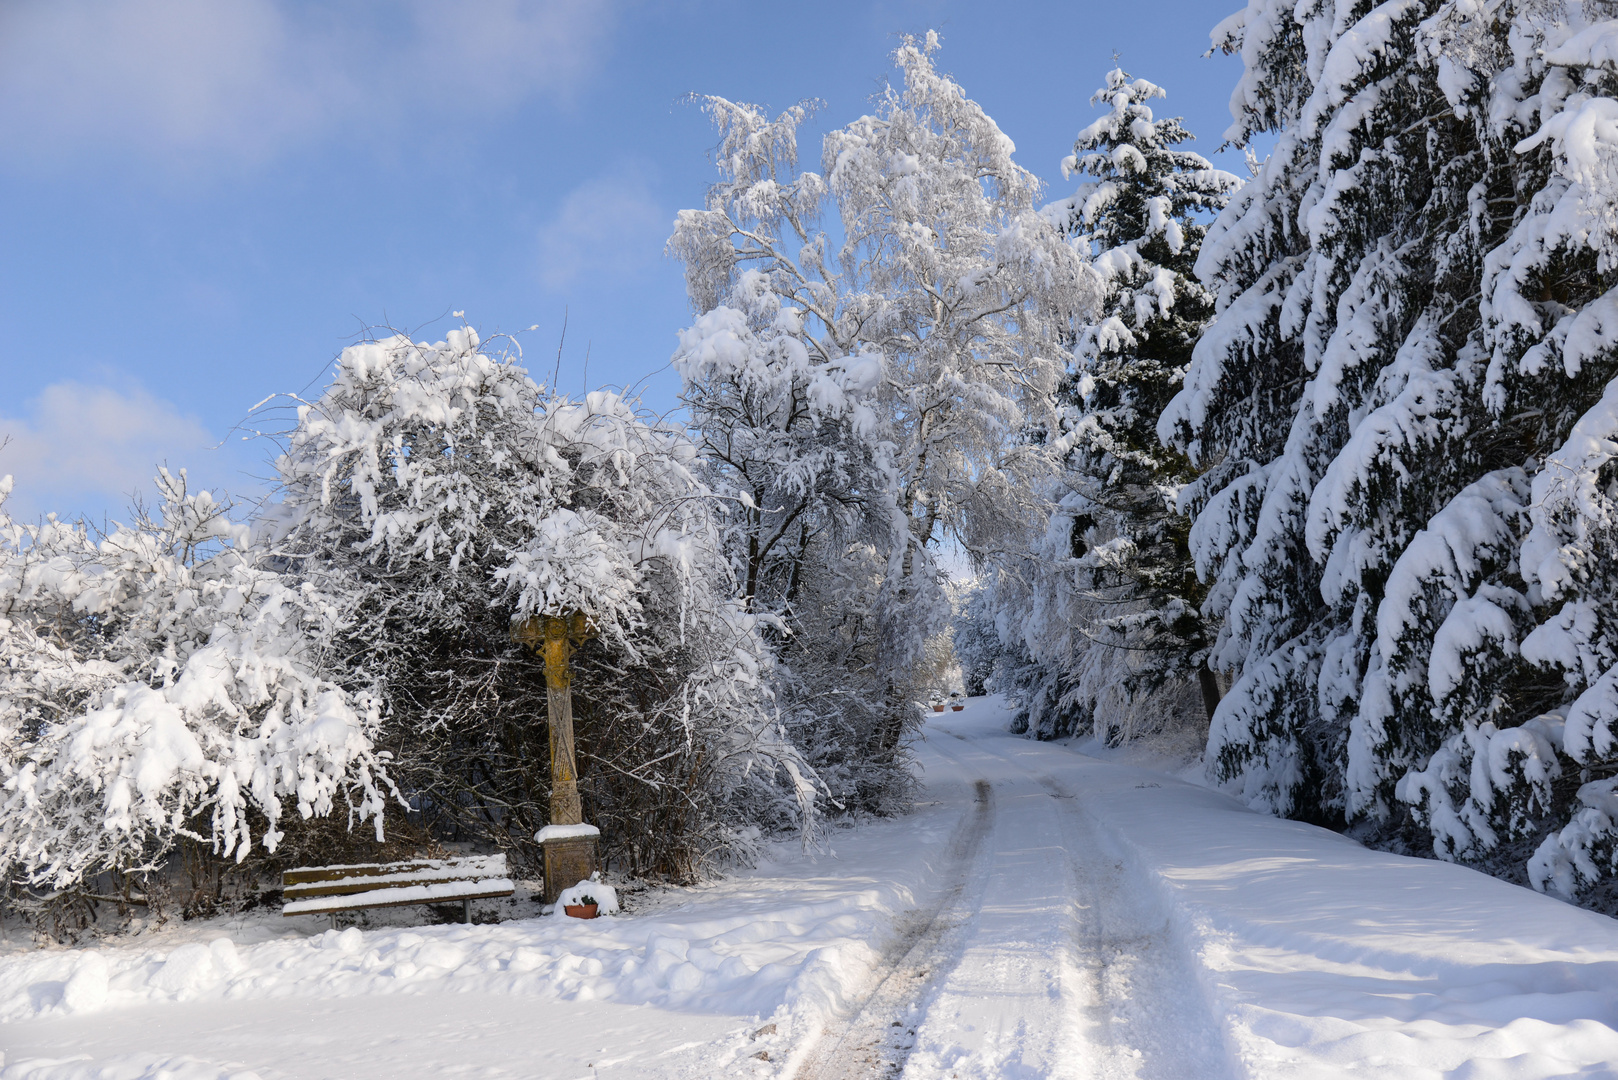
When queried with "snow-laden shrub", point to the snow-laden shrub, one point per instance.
{"points": [[440, 497], [159, 684]]}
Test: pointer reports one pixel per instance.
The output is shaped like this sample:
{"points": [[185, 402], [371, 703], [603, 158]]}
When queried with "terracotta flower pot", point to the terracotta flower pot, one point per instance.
{"points": [[938, 708], [580, 911], [956, 708]]}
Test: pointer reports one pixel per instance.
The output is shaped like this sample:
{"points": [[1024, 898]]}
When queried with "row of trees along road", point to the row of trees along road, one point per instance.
{"points": [[1393, 441], [1322, 461], [1405, 417], [235, 690]]}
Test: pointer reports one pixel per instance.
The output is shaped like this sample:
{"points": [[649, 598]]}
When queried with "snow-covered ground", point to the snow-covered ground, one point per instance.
{"points": [[1043, 913]]}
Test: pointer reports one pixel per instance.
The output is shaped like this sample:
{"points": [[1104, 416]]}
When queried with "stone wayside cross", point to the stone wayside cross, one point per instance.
{"points": [[569, 844]]}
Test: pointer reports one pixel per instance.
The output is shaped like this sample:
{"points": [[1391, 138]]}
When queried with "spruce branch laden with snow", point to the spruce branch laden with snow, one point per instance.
{"points": [[1403, 411]]}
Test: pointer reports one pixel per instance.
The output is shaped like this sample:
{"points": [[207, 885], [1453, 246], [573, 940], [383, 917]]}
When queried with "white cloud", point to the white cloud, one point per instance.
{"points": [[245, 79], [84, 449], [609, 225]]}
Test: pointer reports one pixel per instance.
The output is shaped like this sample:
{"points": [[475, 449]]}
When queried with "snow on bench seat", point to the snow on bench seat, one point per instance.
{"points": [[324, 889], [442, 892]]}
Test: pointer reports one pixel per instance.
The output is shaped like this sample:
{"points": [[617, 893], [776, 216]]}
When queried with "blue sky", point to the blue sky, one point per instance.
{"points": [[201, 203]]}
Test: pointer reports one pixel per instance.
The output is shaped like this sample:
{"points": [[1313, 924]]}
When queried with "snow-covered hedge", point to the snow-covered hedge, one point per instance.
{"points": [[438, 496], [160, 682]]}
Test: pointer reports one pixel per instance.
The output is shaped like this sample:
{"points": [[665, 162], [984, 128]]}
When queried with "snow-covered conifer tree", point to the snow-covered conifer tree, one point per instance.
{"points": [[1401, 410], [1105, 605], [1324, 399], [1541, 752]]}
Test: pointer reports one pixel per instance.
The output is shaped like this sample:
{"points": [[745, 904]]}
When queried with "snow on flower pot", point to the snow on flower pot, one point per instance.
{"points": [[587, 899]]}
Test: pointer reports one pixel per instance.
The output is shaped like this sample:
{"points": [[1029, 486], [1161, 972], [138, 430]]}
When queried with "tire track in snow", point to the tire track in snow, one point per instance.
{"points": [[870, 1043], [1125, 1003], [1147, 999], [1126, 999], [1146, 1014], [1013, 1002]]}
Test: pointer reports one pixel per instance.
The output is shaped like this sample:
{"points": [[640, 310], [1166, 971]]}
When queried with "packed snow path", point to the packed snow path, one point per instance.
{"points": [[1041, 914], [1043, 964]]}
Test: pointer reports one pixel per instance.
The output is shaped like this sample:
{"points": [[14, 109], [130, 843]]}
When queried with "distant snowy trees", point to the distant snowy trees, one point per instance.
{"points": [[863, 398]]}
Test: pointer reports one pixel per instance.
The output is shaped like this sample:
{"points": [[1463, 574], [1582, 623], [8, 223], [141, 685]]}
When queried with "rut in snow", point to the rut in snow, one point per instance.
{"points": [[1055, 960], [871, 1043], [1144, 1012]]}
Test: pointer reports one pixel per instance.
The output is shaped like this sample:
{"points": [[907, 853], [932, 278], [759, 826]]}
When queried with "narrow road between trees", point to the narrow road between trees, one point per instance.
{"points": [[1041, 956]]}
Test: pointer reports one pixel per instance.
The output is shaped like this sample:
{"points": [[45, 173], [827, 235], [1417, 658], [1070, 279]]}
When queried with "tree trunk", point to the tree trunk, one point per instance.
{"points": [[1210, 688]]}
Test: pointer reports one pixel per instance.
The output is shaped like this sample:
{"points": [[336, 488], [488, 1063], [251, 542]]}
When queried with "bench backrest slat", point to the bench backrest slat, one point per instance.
{"points": [[329, 889], [476, 866]]}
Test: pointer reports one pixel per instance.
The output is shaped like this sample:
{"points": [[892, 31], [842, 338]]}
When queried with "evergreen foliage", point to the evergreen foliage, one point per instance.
{"points": [[1104, 603], [1402, 409]]}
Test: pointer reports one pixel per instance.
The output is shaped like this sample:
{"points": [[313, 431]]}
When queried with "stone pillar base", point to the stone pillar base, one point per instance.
{"points": [[569, 858]]}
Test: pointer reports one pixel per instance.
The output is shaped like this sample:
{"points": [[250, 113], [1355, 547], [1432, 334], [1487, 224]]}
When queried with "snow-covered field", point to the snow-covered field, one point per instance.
{"points": [[1043, 913]]}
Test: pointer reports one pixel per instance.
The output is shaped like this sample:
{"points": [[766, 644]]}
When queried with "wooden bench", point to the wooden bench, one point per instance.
{"points": [[327, 890]]}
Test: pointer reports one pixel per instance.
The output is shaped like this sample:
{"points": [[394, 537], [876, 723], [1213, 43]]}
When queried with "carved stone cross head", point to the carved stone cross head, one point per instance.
{"points": [[555, 637]]}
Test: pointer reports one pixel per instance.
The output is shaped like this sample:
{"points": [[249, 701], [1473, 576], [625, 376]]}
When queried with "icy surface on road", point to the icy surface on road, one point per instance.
{"points": [[1105, 921]]}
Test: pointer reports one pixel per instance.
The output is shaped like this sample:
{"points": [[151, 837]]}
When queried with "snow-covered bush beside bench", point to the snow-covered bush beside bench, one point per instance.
{"points": [[162, 683]]}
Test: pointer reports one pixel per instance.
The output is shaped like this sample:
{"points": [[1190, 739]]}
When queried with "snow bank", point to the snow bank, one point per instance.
{"points": [[790, 939], [128, 1067], [1328, 959], [705, 964], [1315, 958]]}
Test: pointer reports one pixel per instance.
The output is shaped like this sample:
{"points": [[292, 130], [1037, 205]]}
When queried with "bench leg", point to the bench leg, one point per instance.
{"points": [[466, 912]]}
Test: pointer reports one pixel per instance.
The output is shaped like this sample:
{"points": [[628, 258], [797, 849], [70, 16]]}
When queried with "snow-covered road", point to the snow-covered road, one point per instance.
{"points": [[1041, 914], [1046, 962]]}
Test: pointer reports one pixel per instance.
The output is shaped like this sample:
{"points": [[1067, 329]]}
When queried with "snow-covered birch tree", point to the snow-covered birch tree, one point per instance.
{"points": [[903, 369]]}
